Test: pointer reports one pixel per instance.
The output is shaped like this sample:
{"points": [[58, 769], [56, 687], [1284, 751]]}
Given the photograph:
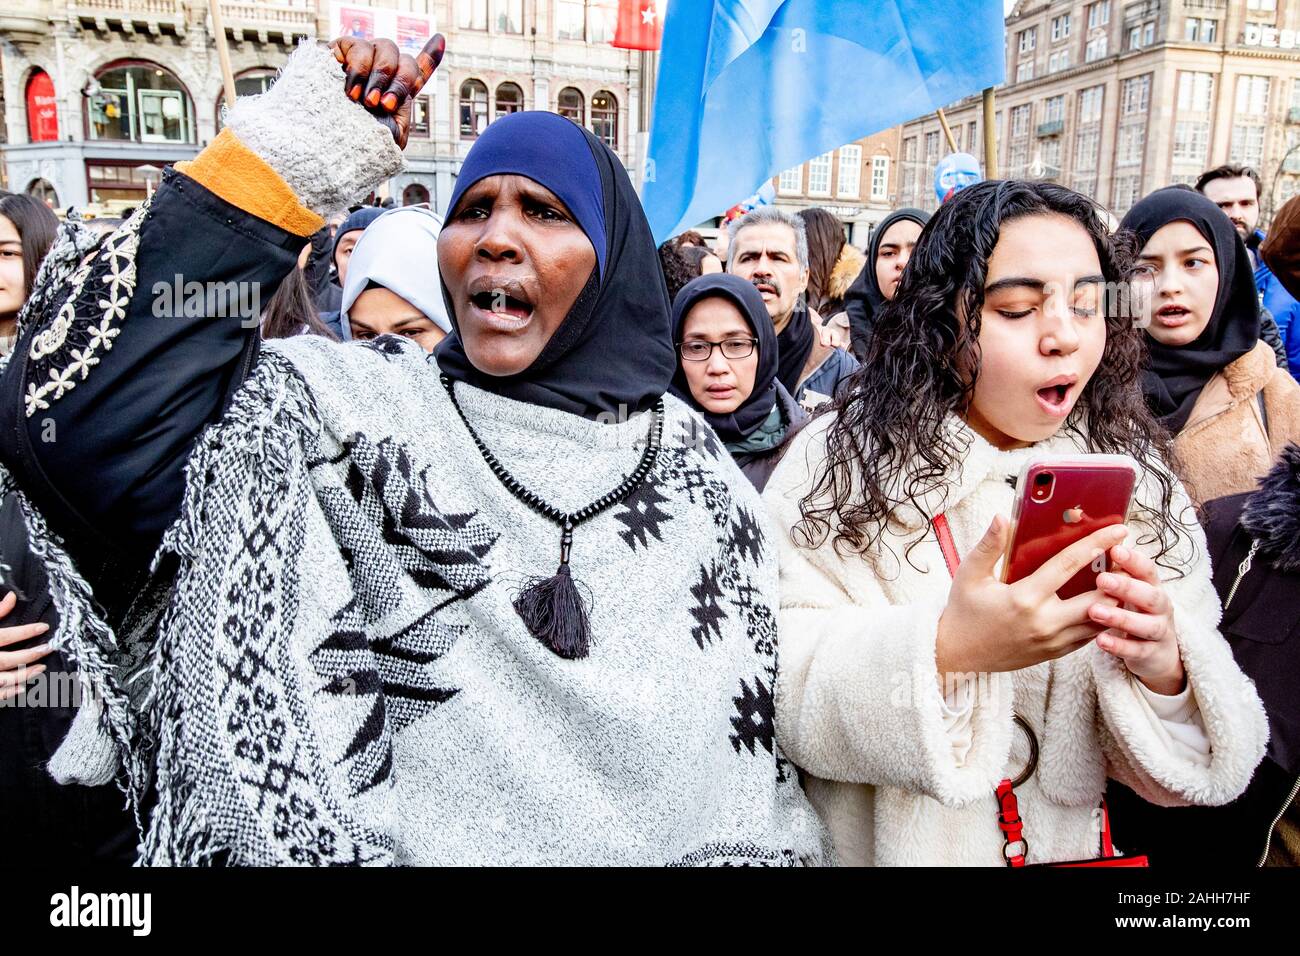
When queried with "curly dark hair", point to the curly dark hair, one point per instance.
{"points": [[891, 415]]}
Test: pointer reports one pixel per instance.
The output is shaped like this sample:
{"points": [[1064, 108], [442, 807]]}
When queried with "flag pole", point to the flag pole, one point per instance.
{"points": [[223, 52], [990, 137], [947, 131]]}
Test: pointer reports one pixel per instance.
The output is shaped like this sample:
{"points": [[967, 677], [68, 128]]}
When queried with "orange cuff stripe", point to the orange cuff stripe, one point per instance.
{"points": [[242, 178]]}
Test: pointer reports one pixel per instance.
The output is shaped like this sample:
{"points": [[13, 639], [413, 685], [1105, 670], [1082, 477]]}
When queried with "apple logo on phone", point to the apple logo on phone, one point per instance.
{"points": [[1072, 515], [1099, 563]]}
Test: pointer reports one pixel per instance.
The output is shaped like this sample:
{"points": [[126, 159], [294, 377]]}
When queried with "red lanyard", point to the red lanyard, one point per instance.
{"points": [[1009, 820]]}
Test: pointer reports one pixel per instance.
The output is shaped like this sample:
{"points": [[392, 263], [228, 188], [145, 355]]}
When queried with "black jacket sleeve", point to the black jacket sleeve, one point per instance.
{"points": [[105, 460]]}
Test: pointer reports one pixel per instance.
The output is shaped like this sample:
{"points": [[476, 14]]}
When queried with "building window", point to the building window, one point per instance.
{"points": [[1025, 71], [1054, 109], [1028, 39], [570, 19], [1019, 160], [415, 194], [602, 21], [420, 116], [1191, 141], [909, 148], [569, 104], [1087, 146], [1085, 184], [1132, 139], [849, 183], [510, 16], [1247, 144], [1060, 60], [1195, 91], [1252, 95], [473, 109], [1127, 189], [1295, 93], [1090, 104], [932, 149], [1095, 50], [1020, 121], [1060, 27], [604, 118], [1049, 156], [251, 83], [1200, 30], [1141, 35], [1264, 6], [142, 104], [509, 99], [1135, 95], [819, 175], [880, 178], [121, 181], [791, 182], [472, 14], [971, 137], [1098, 14]]}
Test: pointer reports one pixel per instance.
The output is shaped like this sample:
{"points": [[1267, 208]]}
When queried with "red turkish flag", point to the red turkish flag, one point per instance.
{"points": [[639, 25]]}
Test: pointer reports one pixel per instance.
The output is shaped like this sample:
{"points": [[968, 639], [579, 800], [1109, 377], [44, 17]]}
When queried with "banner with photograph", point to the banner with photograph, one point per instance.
{"points": [[409, 30]]}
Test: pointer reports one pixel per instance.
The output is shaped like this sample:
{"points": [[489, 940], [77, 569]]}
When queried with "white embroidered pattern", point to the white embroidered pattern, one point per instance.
{"points": [[115, 261]]}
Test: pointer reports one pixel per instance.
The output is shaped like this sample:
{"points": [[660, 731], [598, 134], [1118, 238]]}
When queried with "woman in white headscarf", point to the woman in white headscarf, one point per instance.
{"points": [[390, 288]]}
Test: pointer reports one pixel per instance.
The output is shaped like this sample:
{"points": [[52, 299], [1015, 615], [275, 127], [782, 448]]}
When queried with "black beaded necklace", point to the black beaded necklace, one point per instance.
{"points": [[553, 608]]}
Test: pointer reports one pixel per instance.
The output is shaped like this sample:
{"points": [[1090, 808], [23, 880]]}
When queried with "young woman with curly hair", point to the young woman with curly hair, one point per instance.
{"points": [[906, 693]]}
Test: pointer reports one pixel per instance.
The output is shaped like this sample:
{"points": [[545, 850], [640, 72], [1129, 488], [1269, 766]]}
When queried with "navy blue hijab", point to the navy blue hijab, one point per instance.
{"points": [[736, 425], [613, 353]]}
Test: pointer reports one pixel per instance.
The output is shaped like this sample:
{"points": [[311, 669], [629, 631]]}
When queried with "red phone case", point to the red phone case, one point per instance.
{"points": [[1089, 493]]}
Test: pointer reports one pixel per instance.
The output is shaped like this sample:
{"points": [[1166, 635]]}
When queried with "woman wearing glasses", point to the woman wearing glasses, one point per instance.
{"points": [[726, 370]]}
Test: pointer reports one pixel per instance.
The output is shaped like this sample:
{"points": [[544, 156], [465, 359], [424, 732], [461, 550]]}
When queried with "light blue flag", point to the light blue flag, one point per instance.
{"points": [[748, 88]]}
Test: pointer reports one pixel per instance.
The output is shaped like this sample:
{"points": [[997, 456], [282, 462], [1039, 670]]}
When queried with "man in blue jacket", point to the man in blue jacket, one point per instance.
{"points": [[1235, 189]]}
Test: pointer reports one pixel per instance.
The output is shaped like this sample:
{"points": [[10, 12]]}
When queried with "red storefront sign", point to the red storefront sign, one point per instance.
{"points": [[42, 111]]}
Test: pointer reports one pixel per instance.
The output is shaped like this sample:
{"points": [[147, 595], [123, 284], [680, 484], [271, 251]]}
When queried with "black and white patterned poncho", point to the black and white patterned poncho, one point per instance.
{"points": [[340, 675]]}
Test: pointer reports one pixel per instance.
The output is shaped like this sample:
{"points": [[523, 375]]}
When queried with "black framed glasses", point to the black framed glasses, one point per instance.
{"points": [[697, 350]]}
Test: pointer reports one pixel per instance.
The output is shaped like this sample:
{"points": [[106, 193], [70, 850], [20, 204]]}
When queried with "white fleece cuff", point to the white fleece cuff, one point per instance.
{"points": [[1176, 720]]}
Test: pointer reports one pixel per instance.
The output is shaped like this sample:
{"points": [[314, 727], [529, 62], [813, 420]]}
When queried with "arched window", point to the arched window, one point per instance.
{"points": [[473, 109], [249, 83], [139, 102], [604, 118], [510, 99], [44, 190], [42, 108], [414, 193], [569, 104]]}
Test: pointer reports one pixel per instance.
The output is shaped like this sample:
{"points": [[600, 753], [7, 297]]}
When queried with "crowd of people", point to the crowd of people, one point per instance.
{"points": [[511, 538]]}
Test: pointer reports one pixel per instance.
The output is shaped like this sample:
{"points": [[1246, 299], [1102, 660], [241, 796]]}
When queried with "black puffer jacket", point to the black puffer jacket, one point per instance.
{"points": [[1261, 621]]}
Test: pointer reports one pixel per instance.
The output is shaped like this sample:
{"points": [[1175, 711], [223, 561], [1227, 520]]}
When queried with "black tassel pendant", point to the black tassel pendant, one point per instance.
{"points": [[553, 609]]}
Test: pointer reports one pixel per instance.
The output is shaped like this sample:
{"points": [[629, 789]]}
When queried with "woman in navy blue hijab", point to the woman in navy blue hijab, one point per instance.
{"points": [[543, 214]]}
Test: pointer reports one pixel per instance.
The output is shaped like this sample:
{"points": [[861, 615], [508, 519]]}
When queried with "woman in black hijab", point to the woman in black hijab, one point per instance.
{"points": [[365, 540], [1212, 382], [867, 295], [727, 371]]}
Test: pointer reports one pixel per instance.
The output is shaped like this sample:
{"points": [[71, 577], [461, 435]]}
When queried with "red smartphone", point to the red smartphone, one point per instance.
{"points": [[1060, 501]]}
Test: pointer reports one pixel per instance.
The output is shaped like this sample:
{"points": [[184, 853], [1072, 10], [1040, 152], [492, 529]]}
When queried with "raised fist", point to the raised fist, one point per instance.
{"points": [[385, 81]]}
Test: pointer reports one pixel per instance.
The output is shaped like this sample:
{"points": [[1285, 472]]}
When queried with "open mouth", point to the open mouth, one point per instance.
{"points": [[500, 300], [1172, 315], [502, 304], [1055, 395]]}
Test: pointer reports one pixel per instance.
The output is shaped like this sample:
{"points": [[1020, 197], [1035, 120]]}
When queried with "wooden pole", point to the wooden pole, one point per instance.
{"points": [[947, 131], [990, 137], [223, 52]]}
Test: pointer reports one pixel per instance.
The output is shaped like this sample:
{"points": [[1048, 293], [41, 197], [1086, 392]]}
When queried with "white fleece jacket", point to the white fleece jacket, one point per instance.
{"points": [[902, 777]]}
